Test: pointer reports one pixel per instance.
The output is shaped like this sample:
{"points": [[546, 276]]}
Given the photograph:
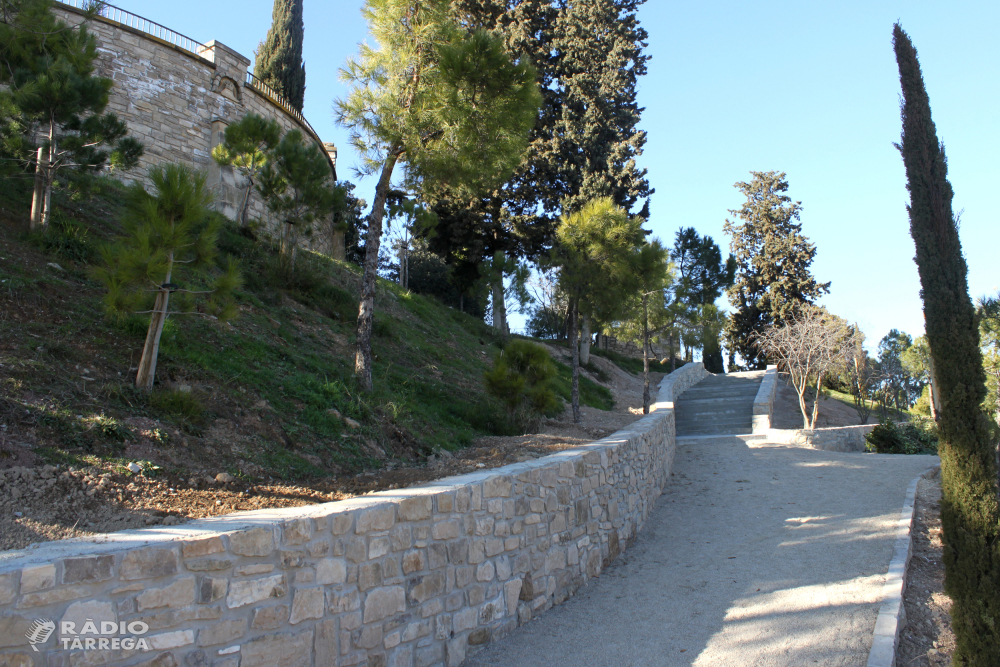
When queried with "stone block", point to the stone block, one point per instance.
{"points": [[341, 523], [205, 547], [173, 617], [422, 588], [445, 530], [223, 632], [349, 600], [79, 613], [414, 561], [253, 569], [16, 660], [148, 563], [415, 509], [91, 569], [53, 596], [38, 578], [297, 532], [178, 594], [429, 655], [211, 589], [378, 547], [375, 519], [485, 572], [466, 619], [479, 636], [384, 602], [242, 593], [512, 593], [367, 637], [401, 657], [326, 645], [269, 618], [356, 550], [254, 542], [445, 503], [437, 555], [369, 575], [8, 587], [282, 650], [331, 571], [169, 640], [401, 537], [209, 564], [307, 603]]}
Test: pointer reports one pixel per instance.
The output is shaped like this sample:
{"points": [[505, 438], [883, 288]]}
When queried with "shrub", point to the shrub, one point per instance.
{"points": [[178, 403], [917, 437], [520, 379]]}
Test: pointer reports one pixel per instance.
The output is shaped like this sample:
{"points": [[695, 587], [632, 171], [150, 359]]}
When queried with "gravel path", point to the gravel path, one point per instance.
{"points": [[756, 554]]}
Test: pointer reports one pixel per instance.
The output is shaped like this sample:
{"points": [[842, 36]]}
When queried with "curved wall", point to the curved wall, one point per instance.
{"points": [[407, 578], [178, 103]]}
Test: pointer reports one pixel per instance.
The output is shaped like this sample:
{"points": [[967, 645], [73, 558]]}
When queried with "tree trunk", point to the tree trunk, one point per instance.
{"points": [[151, 350], [645, 356], [819, 393], [585, 336], [575, 393], [50, 176], [673, 354], [366, 309], [37, 196], [245, 207], [499, 305]]}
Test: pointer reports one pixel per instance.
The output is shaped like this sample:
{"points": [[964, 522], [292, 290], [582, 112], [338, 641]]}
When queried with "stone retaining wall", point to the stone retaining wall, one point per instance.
{"points": [[417, 577], [763, 403], [836, 439], [178, 104]]}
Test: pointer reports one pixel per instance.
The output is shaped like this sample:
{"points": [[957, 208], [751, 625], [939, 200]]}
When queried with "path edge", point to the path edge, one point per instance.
{"points": [[892, 613]]}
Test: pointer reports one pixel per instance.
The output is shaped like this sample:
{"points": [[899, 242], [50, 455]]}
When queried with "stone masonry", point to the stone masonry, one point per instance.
{"points": [[417, 577], [178, 104]]}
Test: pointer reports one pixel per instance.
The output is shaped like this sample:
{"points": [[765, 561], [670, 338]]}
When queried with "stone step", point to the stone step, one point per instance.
{"points": [[718, 405]]}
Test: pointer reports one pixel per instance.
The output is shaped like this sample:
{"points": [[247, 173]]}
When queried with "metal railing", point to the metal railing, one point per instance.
{"points": [[119, 15], [276, 97]]}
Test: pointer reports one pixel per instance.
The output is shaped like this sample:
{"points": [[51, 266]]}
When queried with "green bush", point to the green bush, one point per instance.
{"points": [[521, 380], [916, 437]]}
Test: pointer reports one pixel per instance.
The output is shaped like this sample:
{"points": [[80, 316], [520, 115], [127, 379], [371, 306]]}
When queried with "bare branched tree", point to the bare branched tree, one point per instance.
{"points": [[862, 372], [807, 348]]}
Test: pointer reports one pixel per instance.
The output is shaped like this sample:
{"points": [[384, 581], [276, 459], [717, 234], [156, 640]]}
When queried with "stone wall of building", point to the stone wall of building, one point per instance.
{"points": [[178, 104], [416, 577]]}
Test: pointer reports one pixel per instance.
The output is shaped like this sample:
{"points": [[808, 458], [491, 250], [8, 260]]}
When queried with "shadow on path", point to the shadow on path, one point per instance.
{"points": [[755, 555]]}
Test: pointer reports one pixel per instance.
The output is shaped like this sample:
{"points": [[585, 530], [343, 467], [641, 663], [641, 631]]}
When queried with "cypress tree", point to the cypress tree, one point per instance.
{"points": [[969, 512], [279, 57]]}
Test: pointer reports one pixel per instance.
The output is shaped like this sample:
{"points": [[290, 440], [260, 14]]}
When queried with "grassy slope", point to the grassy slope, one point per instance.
{"points": [[265, 388]]}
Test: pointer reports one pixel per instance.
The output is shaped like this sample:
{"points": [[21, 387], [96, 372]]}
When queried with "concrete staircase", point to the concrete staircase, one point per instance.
{"points": [[718, 405]]}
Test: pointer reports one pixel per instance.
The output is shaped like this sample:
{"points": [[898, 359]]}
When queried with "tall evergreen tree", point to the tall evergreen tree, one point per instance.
{"points": [[969, 512], [589, 57], [773, 278], [702, 277], [279, 56]]}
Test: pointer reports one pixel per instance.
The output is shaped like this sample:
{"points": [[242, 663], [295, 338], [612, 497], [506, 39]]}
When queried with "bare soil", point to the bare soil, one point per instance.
{"points": [[39, 503], [788, 415], [927, 640]]}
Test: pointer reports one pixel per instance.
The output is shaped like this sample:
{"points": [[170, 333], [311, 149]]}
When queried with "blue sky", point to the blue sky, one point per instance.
{"points": [[808, 88]]}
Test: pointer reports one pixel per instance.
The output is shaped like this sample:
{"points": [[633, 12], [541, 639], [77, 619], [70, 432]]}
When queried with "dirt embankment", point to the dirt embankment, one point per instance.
{"points": [[788, 415], [39, 503]]}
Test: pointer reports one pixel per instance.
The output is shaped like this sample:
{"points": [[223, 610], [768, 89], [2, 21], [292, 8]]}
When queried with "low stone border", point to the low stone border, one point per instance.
{"points": [[416, 577], [763, 403], [892, 614], [834, 439]]}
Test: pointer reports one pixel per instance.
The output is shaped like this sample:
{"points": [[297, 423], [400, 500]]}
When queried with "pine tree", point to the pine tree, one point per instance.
{"points": [[447, 104], [773, 279], [279, 57], [969, 512]]}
